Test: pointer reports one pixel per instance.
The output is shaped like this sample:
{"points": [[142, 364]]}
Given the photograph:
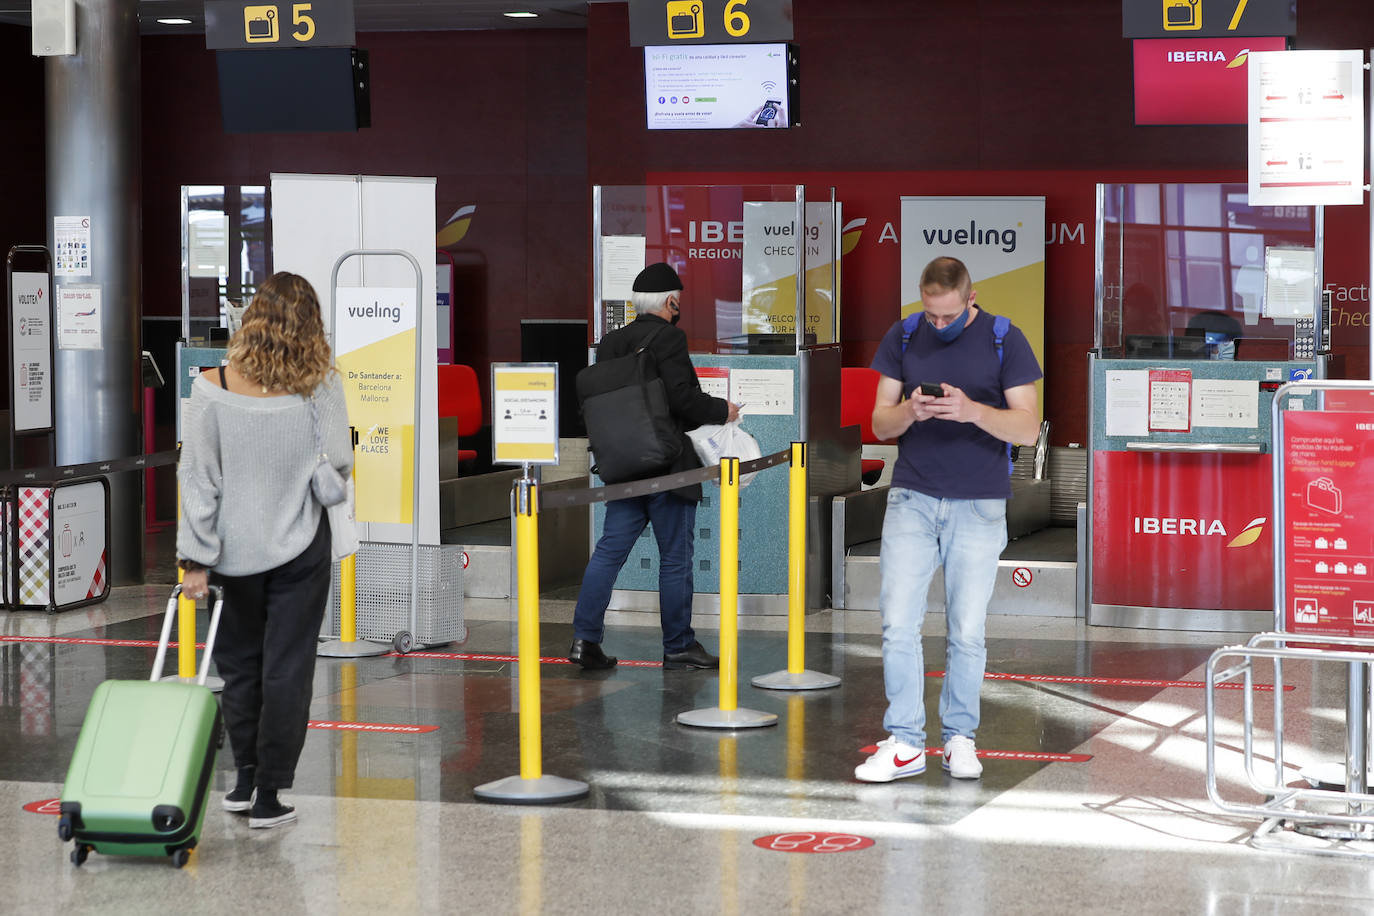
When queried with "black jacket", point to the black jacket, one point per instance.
{"points": [[690, 406]]}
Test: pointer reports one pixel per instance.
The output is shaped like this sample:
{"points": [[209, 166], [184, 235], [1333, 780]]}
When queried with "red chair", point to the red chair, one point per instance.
{"points": [[460, 396], [858, 391]]}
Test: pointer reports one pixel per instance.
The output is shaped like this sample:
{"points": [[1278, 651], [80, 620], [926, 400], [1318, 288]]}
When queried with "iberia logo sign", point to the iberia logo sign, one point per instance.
{"points": [[1249, 535], [453, 231]]}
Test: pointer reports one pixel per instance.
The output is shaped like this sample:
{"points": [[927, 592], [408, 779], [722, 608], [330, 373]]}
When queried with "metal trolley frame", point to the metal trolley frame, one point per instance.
{"points": [[1332, 821]]}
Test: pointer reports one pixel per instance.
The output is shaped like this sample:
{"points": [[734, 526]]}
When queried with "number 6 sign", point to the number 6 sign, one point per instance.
{"points": [[813, 842]]}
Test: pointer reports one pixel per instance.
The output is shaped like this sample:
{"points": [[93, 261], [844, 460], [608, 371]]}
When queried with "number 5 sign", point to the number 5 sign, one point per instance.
{"points": [[710, 22], [814, 842], [270, 26]]}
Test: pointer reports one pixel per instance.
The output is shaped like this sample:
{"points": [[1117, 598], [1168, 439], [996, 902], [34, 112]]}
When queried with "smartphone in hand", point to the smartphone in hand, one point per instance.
{"points": [[931, 389]]}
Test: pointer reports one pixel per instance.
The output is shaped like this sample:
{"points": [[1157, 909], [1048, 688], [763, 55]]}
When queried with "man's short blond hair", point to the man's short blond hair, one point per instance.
{"points": [[944, 274]]}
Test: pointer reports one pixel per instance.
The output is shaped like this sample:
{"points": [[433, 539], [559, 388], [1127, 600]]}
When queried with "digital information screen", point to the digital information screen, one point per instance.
{"points": [[705, 87]]}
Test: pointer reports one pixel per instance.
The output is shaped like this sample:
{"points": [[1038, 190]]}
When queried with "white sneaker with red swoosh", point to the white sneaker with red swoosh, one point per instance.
{"points": [[892, 760], [961, 758]]}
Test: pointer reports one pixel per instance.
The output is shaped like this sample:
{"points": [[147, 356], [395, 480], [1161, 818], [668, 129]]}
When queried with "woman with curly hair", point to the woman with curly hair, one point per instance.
{"points": [[250, 523]]}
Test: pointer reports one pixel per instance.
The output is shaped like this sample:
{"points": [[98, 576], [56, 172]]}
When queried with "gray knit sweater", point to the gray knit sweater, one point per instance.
{"points": [[245, 469]]}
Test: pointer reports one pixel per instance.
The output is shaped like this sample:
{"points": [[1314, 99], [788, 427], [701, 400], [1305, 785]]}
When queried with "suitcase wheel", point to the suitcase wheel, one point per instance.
{"points": [[64, 828], [403, 642], [80, 853], [181, 857]]}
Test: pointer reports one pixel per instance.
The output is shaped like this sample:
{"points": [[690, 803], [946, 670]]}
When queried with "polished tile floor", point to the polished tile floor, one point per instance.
{"points": [[1114, 819]]}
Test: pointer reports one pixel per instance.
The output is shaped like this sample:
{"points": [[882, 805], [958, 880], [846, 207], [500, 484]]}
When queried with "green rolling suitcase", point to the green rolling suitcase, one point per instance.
{"points": [[140, 775]]}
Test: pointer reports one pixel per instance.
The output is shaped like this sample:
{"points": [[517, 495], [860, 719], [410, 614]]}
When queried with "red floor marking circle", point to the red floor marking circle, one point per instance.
{"points": [[1021, 576], [46, 806], [813, 842]]}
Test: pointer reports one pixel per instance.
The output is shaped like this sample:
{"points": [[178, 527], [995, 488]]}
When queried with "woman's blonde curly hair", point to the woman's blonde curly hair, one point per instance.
{"points": [[281, 345]]}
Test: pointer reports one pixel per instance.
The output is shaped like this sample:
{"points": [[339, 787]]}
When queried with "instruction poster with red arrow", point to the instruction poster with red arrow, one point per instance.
{"points": [[1306, 126]]}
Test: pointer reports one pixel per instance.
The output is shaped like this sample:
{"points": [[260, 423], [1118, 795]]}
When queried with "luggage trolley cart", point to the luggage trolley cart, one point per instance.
{"points": [[1323, 614], [389, 597]]}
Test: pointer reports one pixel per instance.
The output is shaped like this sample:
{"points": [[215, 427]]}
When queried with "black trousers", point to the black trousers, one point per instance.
{"points": [[265, 651]]}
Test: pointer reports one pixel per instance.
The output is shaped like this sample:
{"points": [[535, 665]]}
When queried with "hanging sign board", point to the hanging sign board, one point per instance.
{"points": [[670, 22], [265, 26], [524, 413], [1306, 128], [31, 351], [375, 351], [1207, 18]]}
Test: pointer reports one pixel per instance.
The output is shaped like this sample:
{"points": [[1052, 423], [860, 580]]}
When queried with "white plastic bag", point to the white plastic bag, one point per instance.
{"points": [[713, 443]]}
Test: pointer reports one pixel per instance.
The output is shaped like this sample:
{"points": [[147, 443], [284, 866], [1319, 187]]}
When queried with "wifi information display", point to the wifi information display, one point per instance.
{"points": [[718, 87]]}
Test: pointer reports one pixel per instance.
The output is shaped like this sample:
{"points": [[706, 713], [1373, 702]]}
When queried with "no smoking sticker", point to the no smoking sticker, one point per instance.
{"points": [[1021, 576], [813, 842], [465, 559]]}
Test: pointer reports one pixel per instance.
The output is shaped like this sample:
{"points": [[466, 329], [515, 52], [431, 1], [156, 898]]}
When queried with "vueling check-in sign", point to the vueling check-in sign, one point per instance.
{"points": [[313, 24], [717, 22]]}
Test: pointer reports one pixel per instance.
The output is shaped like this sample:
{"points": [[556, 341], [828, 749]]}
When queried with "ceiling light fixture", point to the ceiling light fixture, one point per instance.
{"points": [[521, 14], [175, 21]]}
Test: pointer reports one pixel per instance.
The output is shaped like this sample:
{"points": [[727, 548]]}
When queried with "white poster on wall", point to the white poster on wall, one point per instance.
{"points": [[1306, 128], [31, 351], [78, 318], [71, 246]]}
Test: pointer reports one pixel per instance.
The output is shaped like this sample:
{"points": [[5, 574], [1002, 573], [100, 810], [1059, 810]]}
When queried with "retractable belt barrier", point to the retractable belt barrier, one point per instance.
{"points": [[566, 499], [89, 469]]}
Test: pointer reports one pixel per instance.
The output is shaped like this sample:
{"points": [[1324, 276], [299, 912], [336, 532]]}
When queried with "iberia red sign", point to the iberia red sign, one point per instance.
{"points": [[1329, 522], [1182, 531], [1194, 80]]}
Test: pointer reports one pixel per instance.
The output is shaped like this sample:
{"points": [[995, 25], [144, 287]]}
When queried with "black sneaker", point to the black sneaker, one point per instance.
{"points": [[238, 801], [270, 814]]}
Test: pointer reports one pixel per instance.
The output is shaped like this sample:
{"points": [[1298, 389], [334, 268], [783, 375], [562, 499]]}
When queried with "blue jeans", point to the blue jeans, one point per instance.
{"points": [[674, 521], [966, 537]]}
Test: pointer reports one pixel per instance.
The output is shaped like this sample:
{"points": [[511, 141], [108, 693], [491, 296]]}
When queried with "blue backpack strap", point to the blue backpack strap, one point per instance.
{"points": [[1000, 326], [913, 321]]}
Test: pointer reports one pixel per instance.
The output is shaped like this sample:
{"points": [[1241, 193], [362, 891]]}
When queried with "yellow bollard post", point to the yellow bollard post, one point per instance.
{"points": [[527, 622], [531, 786], [348, 645], [796, 677], [727, 714]]}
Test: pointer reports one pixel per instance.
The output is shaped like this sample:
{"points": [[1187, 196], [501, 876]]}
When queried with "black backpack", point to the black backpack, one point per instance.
{"points": [[624, 403]]}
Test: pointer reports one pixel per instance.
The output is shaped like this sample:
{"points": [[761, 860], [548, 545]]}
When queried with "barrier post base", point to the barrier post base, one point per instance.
{"points": [[216, 684], [358, 648], [715, 717], [802, 680], [514, 790]]}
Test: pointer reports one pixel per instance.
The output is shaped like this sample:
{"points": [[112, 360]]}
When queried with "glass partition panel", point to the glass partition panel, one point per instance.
{"points": [[739, 253], [1183, 271], [225, 253]]}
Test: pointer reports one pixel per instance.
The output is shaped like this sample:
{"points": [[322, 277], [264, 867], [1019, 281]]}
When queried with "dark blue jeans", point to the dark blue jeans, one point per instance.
{"points": [[674, 521]]}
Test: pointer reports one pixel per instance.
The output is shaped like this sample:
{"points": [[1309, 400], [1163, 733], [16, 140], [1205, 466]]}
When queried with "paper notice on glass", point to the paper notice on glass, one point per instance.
{"points": [[622, 258], [1170, 400], [1290, 282], [78, 318], [1226, 402], [1128, 402]]}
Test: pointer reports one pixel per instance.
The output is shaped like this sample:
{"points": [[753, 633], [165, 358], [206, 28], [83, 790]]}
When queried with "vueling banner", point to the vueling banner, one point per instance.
{"points": [[1002, 242], [770, 260], [375, 350]]}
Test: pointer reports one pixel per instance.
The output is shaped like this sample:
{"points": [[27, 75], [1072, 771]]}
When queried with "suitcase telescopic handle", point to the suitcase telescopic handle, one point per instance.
{"points": [[218, 594]]}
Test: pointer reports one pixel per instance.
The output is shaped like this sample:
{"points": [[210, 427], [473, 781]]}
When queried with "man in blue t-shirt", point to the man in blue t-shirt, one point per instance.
{"points": [[947, 506]]}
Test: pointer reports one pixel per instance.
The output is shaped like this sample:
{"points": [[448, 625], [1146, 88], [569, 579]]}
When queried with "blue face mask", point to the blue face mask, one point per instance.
{"points": [[952, 330]]}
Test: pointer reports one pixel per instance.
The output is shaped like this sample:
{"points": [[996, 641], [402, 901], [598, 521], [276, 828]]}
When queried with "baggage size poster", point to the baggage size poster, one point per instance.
{"points": [[375, 352], [1329, 522]]}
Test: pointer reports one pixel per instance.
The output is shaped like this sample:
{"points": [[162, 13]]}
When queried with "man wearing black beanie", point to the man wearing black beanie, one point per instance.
{"points": [[657, 298]]}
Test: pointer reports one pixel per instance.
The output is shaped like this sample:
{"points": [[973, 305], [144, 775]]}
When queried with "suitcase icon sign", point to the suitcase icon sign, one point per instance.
{"points": [[259, 24], [684, 19], [1322, 494]]}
